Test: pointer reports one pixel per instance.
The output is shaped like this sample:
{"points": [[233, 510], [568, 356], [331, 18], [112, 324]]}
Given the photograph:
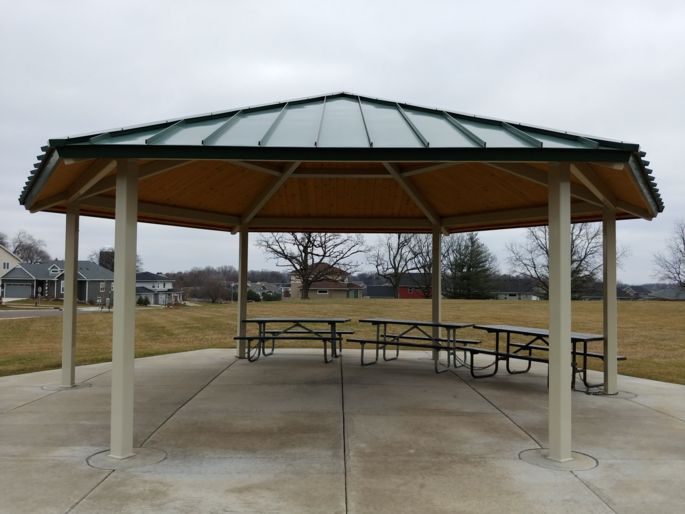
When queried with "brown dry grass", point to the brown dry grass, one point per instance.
{"points": [[651, 334]]}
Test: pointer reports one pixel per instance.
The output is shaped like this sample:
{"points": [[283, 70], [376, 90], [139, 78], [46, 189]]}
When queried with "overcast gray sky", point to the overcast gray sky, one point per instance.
{"points": [[612, 68]]}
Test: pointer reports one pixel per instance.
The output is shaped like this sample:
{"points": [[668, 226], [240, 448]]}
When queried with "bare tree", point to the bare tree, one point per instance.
{"points": [[208, 283], [531, 258], [3, 240], [468, 267], [312, 256], [105, 258], [392, 258], [28, 248], [670, 264], [421, 247]]}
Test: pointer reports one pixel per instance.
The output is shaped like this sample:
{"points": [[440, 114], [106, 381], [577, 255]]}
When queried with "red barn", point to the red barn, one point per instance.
{"points": [[415, 285]]}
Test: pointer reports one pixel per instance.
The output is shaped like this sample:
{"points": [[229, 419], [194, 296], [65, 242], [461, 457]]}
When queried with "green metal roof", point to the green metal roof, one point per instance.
{"points": [[343, 127]]}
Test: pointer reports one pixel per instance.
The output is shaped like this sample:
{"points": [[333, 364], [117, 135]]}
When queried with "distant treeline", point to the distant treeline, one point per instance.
{"points": [[220, 284]]}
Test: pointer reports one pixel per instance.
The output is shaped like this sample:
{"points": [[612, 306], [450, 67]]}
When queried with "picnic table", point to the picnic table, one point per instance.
{"points": [[272, 329], [537, 339], [414, 334]]}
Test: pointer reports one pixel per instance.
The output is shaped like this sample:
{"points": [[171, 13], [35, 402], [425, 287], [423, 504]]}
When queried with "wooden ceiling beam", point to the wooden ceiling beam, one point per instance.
{"points": [[427, 169], [640, 212], [341, 173], [538, 176], [94, 174], [515, 215], [348, 223], [165, 211], [147, 170], [266, 195], [257, 167], [414, 194], [591, 180], [51, 201]]}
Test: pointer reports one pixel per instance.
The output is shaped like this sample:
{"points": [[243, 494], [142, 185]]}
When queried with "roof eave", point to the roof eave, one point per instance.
{"points": [[362, 154], [640, 174], [42, 174]]}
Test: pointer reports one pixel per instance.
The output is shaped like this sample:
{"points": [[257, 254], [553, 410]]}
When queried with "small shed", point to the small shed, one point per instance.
{"points": [[343, 163]]}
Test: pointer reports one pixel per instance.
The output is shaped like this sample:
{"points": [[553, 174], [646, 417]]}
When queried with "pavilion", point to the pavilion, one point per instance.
{"points": [[342, 163]]}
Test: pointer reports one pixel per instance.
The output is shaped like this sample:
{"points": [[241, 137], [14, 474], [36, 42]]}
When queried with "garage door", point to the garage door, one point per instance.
{"points": [[18, 290]]}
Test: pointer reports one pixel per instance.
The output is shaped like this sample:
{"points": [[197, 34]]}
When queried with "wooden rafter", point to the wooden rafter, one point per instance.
{"points": [[414, 194]]}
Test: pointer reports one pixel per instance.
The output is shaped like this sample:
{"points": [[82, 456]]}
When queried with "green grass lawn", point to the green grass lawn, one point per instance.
{"points": [[651, 334]]}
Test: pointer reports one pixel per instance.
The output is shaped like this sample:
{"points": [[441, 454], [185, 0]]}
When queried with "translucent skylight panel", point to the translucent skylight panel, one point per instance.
{"points": [[438, 131], [342, 124], [298, 127], [191, 133], [495, 136], [249, 128], [387, 127]]}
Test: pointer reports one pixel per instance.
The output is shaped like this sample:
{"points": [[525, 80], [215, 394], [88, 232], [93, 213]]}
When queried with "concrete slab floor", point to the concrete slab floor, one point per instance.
{"points": [[292, 434]]}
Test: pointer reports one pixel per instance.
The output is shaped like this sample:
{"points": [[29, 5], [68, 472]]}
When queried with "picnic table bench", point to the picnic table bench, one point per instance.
{"points": [[324, 330], [538, 341], [414, 334]]}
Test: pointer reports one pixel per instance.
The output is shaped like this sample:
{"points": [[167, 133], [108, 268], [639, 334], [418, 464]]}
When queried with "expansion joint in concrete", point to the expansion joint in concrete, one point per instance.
{"points": [[344, 432], [495, 406], [166, 420]]}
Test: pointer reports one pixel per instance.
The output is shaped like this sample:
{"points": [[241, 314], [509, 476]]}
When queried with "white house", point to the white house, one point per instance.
{"points": [[7, 261], [157, 288], [517, 295]]}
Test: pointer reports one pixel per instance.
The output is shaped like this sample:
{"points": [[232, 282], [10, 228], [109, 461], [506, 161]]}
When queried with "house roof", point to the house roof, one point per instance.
{"points": [[4, 248], [334, 284], [343, 162], [380, 292], [144, 290], [87, 270], [92, 271], [414, 279], [323, 267], [146, 276], [18, 272], [672, 293]]}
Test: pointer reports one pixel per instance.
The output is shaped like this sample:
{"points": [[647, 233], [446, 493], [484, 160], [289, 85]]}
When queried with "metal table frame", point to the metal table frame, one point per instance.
{"points": [[416, 329], [541, 335], [296, 328]]}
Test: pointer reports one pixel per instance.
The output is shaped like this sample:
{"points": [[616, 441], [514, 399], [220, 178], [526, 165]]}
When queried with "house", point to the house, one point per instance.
{"points": [[46, 280], [157, 288], [8, 261], [336, 285], [412, 286], [265, 290], [516, 295], [415, 286], [669, 294], [379, 292], [513, 287]]}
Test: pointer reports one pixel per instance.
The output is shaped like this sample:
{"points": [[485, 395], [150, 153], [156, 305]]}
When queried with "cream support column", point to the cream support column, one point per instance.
{"points": [[436, 286], [70, 296], [243, 241], [123, 331], [559, 394], [610, 303]]}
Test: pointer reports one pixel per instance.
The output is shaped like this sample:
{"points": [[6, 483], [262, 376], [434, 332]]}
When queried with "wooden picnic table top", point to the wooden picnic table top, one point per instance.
{"points": [[295, 320], [541, 332], [418, 323]]}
